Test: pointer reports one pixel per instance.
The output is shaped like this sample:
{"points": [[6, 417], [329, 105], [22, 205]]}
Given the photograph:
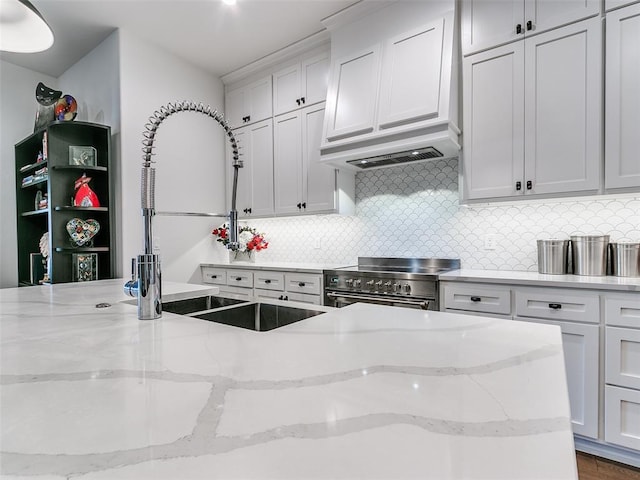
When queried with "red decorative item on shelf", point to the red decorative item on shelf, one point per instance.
{"points": [[85, 197]]}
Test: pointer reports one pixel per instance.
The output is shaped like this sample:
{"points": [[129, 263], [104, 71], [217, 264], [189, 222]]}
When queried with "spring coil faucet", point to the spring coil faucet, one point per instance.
{"points": [[145, 283]]}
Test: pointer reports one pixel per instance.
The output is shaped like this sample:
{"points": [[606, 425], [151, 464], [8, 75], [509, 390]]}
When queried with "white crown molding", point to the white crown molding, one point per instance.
{"points": [[287, 53], [354, 13]]}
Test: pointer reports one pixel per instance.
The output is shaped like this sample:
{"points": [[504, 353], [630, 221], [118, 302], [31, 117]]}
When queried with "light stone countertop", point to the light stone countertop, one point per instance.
{"points": [[624, 284], [296, 267], [360, 392]]}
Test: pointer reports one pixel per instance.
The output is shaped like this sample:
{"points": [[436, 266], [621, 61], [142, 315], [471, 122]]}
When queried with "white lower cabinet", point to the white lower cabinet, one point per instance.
{"points": [[622, 416], [580, 347], [258, 284]]}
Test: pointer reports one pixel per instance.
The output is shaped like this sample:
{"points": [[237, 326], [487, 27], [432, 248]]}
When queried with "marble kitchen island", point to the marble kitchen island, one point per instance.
{"points": [[361, 392]]}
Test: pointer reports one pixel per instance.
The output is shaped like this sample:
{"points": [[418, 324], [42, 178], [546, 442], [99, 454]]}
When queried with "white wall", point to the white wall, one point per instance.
{"points": [[17, 115], [190, 157]]}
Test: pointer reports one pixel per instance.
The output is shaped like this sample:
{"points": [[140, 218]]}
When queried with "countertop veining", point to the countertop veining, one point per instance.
{"points": [[360, 392]]}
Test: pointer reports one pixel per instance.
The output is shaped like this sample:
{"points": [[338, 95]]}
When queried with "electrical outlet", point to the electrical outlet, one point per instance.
{"points": [[490, 241]]}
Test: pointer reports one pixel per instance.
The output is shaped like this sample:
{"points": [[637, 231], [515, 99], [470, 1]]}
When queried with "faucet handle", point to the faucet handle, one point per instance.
{"points": [[133, 268]]}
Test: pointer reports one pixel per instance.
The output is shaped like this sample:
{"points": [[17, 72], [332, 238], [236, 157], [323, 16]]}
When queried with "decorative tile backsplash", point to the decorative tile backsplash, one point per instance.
{"points": [[414, 210]]}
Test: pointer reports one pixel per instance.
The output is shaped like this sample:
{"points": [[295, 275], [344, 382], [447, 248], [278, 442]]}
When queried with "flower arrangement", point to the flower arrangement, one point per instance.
{"points": [[248, 238]]}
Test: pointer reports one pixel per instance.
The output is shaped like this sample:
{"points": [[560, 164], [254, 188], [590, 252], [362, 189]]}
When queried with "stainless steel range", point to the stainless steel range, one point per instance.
{"points": [[405, 282]]}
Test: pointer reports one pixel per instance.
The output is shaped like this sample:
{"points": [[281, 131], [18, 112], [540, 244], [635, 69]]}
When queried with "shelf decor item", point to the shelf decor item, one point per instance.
{"points": [[82, 231], [85, 197], [46, 98], [82, 156], [249, 239], [66, 108], [85, 267], [44, 251], [37, 265]]}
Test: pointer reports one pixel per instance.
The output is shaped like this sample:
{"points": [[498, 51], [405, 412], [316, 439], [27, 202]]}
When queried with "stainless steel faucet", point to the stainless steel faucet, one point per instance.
{"points": [[145, 280]]}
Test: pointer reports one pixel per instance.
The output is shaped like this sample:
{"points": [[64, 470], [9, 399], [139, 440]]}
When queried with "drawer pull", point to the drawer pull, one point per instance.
{"points": [[555, 306], [214, 276], [267, 281], [238, 279], [475, 299], [301, 284]]}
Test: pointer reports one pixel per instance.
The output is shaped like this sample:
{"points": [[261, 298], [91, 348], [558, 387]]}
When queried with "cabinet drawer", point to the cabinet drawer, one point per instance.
{"points": [[268, 280], [261, 294], [304, 298], [217, 276], [623, 311], [240, 278], [477, 298], [622, 365], [622, 416], [303, 283], [238, 293], [558, 305]]}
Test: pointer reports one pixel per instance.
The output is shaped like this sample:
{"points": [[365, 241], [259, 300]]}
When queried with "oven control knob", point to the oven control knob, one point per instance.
{"points": [[387, 286], [379, 284], [370, 283], [407, 288], [349, 282], [395, 287], [357, 282]]}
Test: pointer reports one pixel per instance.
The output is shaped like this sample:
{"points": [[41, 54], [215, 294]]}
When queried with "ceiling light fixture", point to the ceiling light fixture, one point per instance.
{"points": [[229, 2], [22, 28]]}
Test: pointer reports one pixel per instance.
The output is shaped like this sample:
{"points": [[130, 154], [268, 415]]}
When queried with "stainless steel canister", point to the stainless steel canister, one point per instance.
{"points": [[589, 254], [553, 256], [625, 259]]}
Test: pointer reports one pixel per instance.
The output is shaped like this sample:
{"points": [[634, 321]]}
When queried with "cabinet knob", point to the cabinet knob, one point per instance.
{"points": [[248, 118], [529, 25], [476, 299], [518, 29], [298, 101], [281, 297], [301, 284], [299, 205], [286, 297], [529, 184], [249, 210], [304, 205], [238, 279], [302, 100], [518, 186], [555, 306], [267, 281], [214, 276]]}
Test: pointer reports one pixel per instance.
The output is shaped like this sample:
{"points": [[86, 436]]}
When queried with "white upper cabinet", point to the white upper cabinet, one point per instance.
{"points": [[611, 4], [489, 23], [249, 103], [301, 84], [410, 84], [255, 179], [351, 101], [532, 115], [302, 183], [622, 98]]}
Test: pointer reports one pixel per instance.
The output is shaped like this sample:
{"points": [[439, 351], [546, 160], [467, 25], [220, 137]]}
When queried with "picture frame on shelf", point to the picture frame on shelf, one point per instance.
{"points": [[82, 156], [85, 267]]}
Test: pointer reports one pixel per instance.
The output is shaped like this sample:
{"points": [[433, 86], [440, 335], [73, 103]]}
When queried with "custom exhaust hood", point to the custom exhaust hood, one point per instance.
{"points": [[392, 95]]}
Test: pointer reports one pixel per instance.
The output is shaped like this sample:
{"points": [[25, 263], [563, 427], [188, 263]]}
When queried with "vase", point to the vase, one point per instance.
{"points": [[238, 256]]}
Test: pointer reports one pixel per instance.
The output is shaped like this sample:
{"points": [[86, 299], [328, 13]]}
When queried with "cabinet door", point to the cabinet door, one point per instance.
{"points": [[318, 180], [622, 417], [315, 79], [260, 99], [580, 346], [489, 23], [411, 76], [494, 122], [622, 111], [352, 95], [286, 89], [235, 109], [548, 14], [288, 162], [611, 4], [563, 92], [261, 150], [622, 365]]}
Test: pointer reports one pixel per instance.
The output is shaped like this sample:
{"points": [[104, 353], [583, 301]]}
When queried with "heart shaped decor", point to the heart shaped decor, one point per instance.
{"points": [[82, 231]]}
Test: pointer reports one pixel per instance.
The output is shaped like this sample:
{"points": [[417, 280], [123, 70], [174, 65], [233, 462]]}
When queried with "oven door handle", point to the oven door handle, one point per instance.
{"points": [[424, 304]]}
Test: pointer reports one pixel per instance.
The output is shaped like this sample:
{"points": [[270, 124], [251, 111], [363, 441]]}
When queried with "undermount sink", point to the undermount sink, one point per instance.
{"points": [[256, 316]]}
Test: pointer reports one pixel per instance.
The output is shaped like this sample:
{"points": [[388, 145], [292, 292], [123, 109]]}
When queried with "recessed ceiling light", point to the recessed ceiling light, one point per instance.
{"points": [[23, 28], [229, 2]]}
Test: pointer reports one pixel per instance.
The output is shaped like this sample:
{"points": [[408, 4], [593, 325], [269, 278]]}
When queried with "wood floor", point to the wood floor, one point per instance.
{"points": [[596, 468]]}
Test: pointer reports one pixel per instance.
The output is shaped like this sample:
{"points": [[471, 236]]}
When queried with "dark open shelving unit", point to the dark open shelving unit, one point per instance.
{"points": [[59, 186]]}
